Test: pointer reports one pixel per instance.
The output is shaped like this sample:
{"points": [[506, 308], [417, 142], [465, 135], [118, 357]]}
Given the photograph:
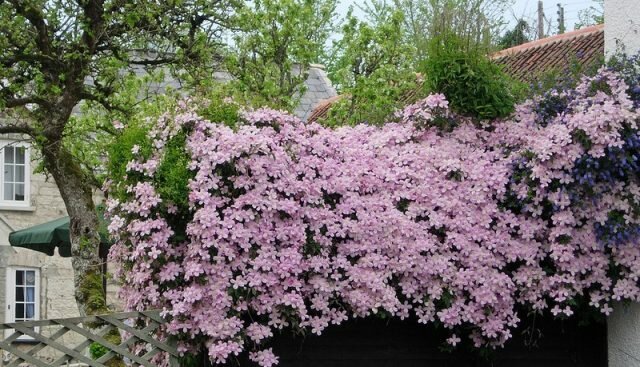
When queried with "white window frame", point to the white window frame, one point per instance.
{"points": [[10, 298], [27, 175]]}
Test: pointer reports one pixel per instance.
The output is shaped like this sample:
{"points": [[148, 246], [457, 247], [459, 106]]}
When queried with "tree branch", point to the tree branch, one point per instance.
{"points": [[36, 19], [18, 57], [16, 128], [102, 101], [19, 102], [153, 62], [94, 14]]}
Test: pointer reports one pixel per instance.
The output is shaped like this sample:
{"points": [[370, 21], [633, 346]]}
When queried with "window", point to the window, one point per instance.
{"points": [[14, 158], [23, 295]]}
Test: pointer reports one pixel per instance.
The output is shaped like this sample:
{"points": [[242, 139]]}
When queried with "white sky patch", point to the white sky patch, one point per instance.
{"points": [[526, 9]]}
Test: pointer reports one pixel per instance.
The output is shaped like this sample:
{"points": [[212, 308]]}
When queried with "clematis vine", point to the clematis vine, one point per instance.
{"points": [[429, 217]]}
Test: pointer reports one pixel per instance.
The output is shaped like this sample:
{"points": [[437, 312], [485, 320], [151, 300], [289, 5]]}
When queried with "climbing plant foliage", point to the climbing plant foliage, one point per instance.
{"points": [[429, 217]]}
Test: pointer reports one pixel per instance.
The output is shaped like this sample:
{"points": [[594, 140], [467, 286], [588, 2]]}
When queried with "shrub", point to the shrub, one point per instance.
{"points": [[297, 225], [473, 84], [96, 350]]}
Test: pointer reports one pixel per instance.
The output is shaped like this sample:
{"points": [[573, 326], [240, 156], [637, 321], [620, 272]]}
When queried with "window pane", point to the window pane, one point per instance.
{"points": [[8, 191], [8, 154], [31, 294], [19, 311], [19, 192], [30, 311], [19, 174], [20, 155], [8, 173], [31, 277], [24, 304]]}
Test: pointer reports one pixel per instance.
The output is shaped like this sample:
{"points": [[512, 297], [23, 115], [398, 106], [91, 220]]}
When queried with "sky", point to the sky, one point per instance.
{"points": [[527, 9], [522, 9]]}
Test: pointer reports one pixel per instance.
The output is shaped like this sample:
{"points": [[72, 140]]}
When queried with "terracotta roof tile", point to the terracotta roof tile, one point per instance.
{"points": [[527, 61], [321, 110], [523, 62]]}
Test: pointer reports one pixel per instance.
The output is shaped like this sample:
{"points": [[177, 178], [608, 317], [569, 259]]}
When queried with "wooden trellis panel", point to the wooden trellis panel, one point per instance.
{"points": [[50, 333]]}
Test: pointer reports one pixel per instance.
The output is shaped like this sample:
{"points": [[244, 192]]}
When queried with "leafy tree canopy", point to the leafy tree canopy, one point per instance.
{"points": [[274, 46], [371, 64], [60, 55], [520, 34], [592, 15]]}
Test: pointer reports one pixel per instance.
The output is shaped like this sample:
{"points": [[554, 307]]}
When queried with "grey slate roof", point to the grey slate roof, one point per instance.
{"points": [[317, 88]]}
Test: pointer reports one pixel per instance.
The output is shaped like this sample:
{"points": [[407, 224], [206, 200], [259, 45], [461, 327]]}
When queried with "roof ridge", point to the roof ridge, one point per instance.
{"points": [[549, 40]]}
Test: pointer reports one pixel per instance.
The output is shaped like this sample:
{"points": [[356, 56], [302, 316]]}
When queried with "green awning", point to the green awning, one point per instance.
{"points": [[47, 236]]}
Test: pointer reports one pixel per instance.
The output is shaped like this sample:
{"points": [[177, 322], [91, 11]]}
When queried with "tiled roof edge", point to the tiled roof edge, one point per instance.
{"points": [[548, 40]]}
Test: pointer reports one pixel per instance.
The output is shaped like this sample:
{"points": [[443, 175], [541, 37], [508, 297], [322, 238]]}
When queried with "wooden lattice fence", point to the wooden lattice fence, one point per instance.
{"points": [[68, 340]]}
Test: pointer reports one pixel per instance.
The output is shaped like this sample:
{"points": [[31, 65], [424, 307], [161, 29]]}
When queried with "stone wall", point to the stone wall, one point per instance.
{"points": [[56, 286], [622, 25], [624, 336], [622, 28], [56, 273]]}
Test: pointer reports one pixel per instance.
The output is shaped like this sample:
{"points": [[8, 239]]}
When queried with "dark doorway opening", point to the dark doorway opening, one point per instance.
{"points": [[375, 342]]}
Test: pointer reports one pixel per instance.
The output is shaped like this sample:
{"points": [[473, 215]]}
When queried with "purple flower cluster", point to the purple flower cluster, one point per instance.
{"points": [[298, 225]]}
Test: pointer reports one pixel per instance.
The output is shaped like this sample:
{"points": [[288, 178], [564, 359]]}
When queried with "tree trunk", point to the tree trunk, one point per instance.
{"points": [[85, 239]]}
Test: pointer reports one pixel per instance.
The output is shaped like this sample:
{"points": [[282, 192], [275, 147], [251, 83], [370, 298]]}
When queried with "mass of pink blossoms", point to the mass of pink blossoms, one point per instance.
{"points": [[298, 225]]}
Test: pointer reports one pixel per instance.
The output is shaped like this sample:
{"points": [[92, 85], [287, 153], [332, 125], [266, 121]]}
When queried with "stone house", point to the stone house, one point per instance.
{"points": [[34, 285]]}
